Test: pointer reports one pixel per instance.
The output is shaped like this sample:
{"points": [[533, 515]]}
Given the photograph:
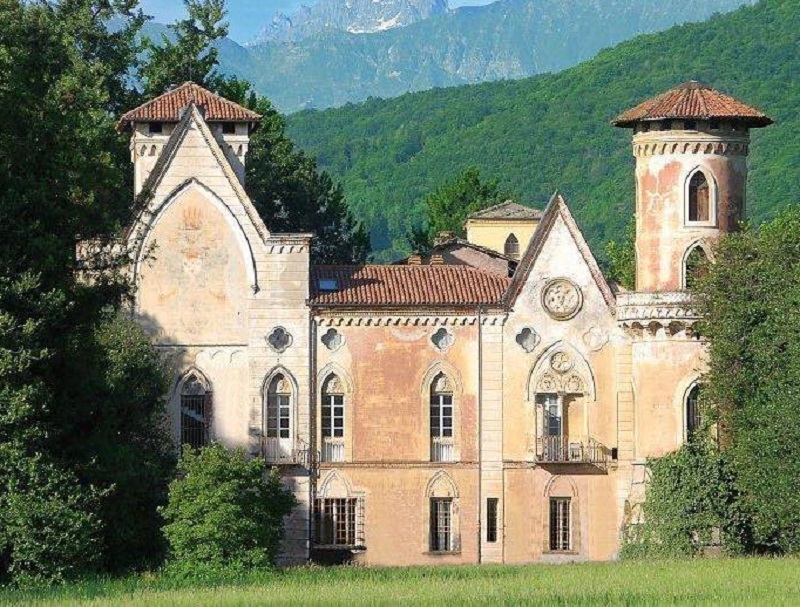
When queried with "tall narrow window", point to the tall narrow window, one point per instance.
{"points": [[699, 198], [560, 530], [512, 247], [552, 426], [693, 416], [696, 266], [441, 419], [333, 420], [441, 534], [279, 419], [195, 412], [491, 519]]}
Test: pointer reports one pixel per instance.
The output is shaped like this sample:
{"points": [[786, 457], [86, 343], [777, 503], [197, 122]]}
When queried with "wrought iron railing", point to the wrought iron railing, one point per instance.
{"points": [[276, 452], [442, 449], [560, 449]]}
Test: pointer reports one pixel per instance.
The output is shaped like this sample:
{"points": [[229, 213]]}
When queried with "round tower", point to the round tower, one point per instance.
{"points": [[691, 146]]}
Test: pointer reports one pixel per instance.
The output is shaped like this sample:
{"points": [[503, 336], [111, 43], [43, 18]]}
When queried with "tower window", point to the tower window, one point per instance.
{"points": [[155, 128], [699, 198], [228, 128], [511, 248], [693, 416], [690, 125], [696, 266]]}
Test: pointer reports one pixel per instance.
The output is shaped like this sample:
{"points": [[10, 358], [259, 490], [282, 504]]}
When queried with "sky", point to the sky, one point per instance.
{"points": [[247, 17]]}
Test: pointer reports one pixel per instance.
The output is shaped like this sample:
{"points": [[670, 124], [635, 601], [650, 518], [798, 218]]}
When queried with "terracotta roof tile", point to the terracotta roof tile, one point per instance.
{"points": [[167, 107], [401, 286], [507, 210], [692, 100]]}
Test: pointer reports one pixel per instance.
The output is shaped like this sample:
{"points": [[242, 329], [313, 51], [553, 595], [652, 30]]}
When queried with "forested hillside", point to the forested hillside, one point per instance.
{"points": [[552, 131]]}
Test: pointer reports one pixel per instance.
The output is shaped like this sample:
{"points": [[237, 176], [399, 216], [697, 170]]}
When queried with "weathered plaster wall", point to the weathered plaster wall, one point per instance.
{"points": [[492, 233]]}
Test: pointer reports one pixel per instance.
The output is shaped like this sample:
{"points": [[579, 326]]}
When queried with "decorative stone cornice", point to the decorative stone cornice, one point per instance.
{"points": [[656, 314], [373, 319], [657, 143]]}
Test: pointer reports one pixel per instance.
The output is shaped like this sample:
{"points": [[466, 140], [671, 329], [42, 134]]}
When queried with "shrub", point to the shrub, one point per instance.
{"points": [[224, 511]]}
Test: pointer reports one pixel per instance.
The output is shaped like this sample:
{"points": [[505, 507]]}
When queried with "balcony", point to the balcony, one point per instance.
{"points": [[284, 452], [564, 450], [332, 449], [442, 449]]}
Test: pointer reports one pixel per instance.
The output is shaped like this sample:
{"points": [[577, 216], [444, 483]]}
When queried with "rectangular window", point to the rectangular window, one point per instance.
{"points": [[278, 416], [441, 525], [339, 522], [194, 420], [228, 128], [333, 416], [560, 530], [491, 519], [155, 128], [442, 415]]}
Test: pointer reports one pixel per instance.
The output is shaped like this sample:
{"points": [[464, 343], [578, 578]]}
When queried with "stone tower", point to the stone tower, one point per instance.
{"points": [[691, 146], [152, 124]]}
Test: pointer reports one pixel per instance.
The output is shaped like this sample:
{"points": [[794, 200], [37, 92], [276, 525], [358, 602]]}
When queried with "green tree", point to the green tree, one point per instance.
{"points": [[622, 258], [225, 510], [448, 207], [749, 300], [191, 56]]}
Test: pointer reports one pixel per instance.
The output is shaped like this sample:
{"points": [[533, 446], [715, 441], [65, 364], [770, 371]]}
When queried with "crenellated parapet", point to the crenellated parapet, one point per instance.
{"points": [[664, 314]]}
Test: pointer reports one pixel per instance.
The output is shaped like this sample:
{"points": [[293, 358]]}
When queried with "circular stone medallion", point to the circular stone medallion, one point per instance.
{"points": [[562, 299]]}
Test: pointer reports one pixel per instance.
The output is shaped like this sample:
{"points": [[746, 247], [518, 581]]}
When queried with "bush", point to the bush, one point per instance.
{"points": [[224, 511], [692, 503]]}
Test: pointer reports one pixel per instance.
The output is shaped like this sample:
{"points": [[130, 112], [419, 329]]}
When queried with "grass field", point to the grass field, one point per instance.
{"points": [[701, 582]]}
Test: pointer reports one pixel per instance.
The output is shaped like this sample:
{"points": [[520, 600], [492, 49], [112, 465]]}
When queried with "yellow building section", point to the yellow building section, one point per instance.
{"points": [[506, 228]]}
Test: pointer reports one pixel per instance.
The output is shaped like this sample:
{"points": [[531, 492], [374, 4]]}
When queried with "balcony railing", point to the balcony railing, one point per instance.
{"points": [[442, 449], [562, 450], [332, 449], [276, 451]]}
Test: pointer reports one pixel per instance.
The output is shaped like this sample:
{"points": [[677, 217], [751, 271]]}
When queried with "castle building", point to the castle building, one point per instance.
{"points": [[494, 401]]}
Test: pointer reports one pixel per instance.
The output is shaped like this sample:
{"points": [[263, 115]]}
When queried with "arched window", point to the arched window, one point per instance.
{"points": [[512, 247], [694, 418], [278, 416], [195, 412], [333, 420], [695, 266], [699, 198], [441, 419]]}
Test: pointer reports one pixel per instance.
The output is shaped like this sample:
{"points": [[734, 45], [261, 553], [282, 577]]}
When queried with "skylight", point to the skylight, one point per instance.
{"points": [[328, 284]]}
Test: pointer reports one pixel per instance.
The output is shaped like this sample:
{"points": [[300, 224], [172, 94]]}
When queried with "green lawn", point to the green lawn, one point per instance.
{"points": [[700, 582]]}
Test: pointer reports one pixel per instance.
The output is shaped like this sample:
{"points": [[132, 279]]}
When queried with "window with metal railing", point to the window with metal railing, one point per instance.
{"points": [[441, 533], [441, 420], [560, 524], [333, 412], [195, 412], [339, 522]]}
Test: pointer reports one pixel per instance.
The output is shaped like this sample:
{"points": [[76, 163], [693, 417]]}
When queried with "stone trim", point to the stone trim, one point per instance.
{"points": [[351, 319]]}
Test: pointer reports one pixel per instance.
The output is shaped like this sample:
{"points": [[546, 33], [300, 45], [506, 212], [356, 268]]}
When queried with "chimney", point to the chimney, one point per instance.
{"points": [[415, 260], [443, 237], [437, 259]]}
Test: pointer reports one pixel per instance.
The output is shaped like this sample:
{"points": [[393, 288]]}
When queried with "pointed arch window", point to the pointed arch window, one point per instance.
{"points": [[511, 248], [333, 412], [695, 266], [441, 416], [694, 417], [195, 411], [278, 416], [700, 203]]}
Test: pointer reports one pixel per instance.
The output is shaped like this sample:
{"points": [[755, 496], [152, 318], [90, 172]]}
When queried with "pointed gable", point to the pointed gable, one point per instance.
{"points": [[557, 212]]}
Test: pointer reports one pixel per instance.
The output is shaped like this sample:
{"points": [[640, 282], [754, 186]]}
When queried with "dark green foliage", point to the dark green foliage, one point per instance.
{"points": [[189, 55], [224, 510], [448, 206], [622, 258], [692, 503], [750, 301], [552, 131], [83, 461]]}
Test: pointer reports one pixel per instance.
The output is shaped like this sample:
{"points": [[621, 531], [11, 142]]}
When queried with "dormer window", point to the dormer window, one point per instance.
{"points": [[228, 128], [155, 128]]}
